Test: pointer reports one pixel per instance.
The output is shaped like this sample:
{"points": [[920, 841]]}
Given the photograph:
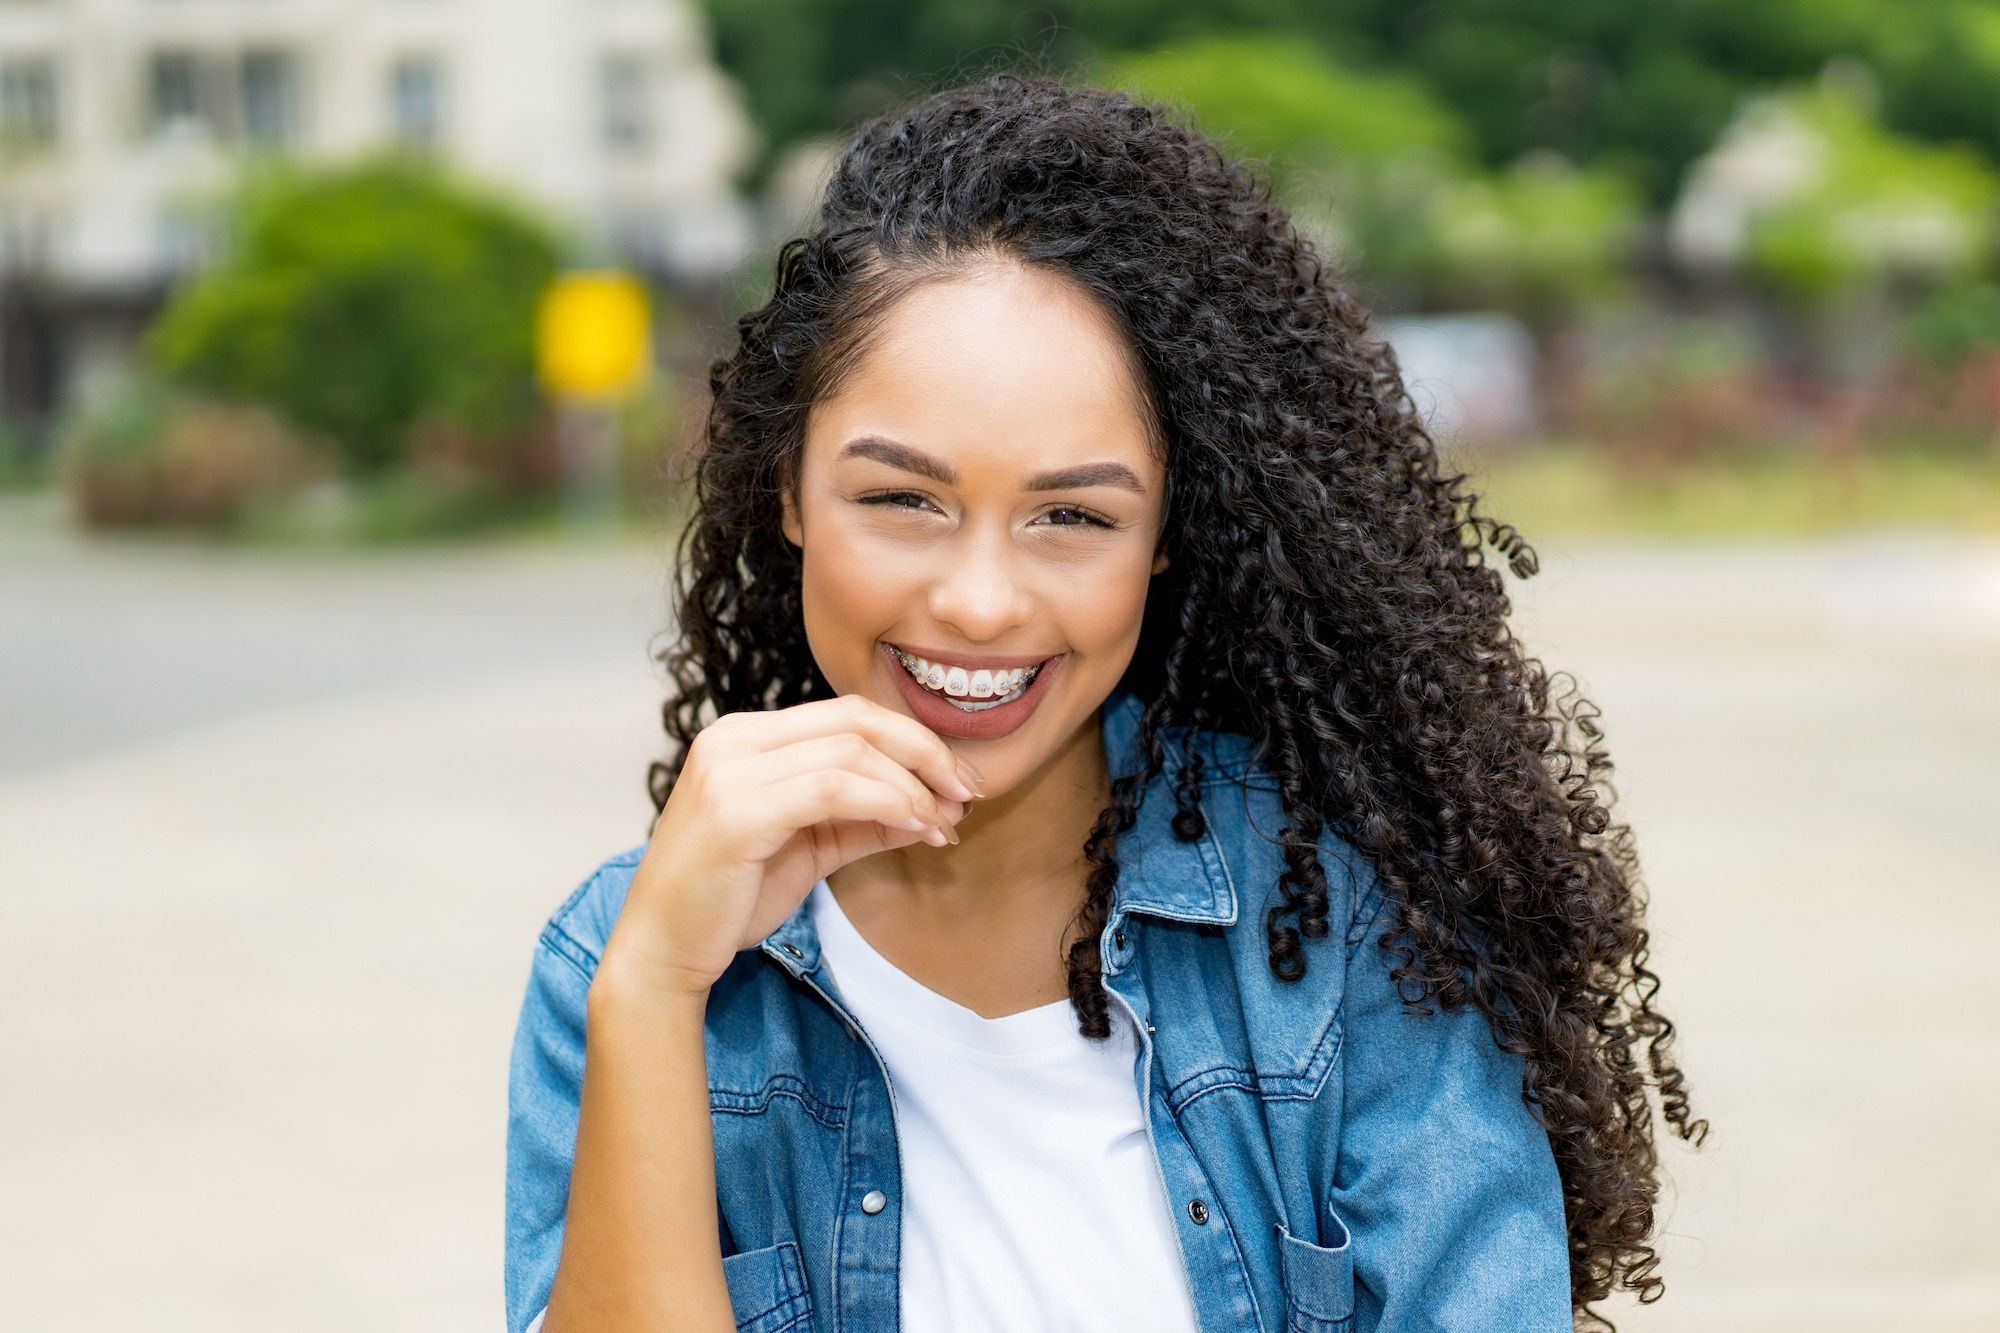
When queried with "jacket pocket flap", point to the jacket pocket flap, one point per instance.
{"points": [[1319, 1282], [767, 1289]]}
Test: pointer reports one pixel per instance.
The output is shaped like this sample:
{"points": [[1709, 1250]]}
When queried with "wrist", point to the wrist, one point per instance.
{"points": [[624, 982]]}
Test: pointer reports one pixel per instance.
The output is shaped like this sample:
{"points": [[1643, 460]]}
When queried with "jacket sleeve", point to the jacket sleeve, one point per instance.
{"points": [[1444, 1178], [545, 1083]]}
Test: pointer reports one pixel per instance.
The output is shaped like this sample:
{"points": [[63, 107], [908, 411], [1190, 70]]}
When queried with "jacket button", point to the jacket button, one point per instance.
{"points": [[1118, 938], [793, 950], [1197, 1210], [873, 1202]]}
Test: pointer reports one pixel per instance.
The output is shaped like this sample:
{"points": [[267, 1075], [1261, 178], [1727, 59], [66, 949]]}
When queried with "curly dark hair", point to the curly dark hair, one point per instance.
{"points": [[1366, 652]]}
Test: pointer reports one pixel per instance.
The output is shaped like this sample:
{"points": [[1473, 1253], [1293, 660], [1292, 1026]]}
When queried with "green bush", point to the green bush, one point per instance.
{"points": [[1955, 322], [155, 457], [367, 300]]}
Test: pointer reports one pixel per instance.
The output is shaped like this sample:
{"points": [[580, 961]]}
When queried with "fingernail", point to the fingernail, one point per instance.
{"points": [[950, 833], [970, 776]]}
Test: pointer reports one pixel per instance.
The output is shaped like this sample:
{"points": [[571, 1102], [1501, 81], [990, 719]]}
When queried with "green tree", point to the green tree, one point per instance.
{"points": [[1643, 87], [1291, 105], [1539, 239], [1870, 204], [364, 300], [1383, 168]]}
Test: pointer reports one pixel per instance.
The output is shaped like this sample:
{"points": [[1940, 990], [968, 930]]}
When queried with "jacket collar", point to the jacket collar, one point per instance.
{"points": [[1158, 875]]}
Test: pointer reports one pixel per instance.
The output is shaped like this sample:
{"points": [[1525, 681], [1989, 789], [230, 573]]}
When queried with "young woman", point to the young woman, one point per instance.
{"points": [[1117, 869]]}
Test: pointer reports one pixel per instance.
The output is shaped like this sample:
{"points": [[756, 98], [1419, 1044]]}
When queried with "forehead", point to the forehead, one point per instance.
{"points": [[1004, 360]]}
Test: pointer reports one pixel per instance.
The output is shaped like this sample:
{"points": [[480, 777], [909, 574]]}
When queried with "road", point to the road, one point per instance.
{"points": [[277, 830]]}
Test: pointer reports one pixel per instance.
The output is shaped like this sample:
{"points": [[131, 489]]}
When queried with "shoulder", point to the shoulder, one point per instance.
{"points": [[1244, 817], [575, 933]]}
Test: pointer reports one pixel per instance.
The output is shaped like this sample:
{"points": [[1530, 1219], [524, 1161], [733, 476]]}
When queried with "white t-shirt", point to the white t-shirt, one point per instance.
{"points": [[1032, 1196]]}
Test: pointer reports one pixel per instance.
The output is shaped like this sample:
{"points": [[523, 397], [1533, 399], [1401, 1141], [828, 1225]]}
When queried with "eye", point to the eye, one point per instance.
{"points": [[1071, 516], [914, 500]]}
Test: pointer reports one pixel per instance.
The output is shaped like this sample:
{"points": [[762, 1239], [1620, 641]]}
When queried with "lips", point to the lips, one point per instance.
{"points": [[989, 720]]}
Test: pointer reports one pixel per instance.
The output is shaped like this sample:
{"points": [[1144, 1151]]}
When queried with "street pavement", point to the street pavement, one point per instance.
{"points": [[277, 831]]}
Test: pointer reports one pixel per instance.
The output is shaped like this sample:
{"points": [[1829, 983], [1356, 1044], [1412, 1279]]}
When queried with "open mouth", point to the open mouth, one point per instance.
{"points": [[968, 691]]}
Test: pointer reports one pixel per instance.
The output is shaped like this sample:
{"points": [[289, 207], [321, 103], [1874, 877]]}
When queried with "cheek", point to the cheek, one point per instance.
{"points": [[852, 592], [1099, 605]]}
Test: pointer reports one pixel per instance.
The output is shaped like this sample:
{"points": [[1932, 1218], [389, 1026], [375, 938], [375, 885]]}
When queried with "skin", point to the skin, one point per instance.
{"points": [[932, 512]]}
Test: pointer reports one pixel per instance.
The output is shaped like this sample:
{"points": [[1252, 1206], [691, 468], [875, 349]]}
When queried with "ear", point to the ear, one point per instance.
{"points": [[788, 510], [1160, 555]]}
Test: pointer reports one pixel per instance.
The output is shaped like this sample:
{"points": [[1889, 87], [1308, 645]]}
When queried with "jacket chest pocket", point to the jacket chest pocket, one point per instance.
{"points": [[767, 1289], [1319, 1282]]}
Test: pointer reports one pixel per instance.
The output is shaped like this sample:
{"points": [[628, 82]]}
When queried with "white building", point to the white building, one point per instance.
{"points": [[120, 118]]}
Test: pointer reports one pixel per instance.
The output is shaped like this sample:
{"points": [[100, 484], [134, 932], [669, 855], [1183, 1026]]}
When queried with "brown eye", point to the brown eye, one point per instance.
{"points": [[1071, 517], [898, 500]]}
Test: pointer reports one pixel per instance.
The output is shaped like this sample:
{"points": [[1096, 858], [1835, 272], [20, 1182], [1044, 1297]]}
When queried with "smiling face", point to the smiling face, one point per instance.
{"points": [[978, 511]]}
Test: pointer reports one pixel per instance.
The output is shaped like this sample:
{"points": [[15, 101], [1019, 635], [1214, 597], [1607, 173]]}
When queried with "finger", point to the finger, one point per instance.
{"points": [[852, 751], [827, 794], [898, 735], [853, 839]]}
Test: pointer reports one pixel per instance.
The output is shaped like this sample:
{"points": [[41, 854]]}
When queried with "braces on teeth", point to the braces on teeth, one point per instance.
{"points": [[973, 691]]}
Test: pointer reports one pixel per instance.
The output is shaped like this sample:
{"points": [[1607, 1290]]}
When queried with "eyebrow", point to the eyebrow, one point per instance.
{"points": [[1061, 479], [901, 456], [1088, 474]]}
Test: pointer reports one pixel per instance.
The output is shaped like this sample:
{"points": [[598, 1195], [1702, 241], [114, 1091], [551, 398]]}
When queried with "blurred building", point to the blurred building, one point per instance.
{"points": [[1470, 376], [120, 120]]}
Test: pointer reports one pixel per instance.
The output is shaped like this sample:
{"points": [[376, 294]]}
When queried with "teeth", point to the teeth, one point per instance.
{"points": [[962, 686]]}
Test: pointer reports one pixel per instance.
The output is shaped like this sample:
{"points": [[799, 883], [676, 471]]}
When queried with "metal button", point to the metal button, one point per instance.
{"points": [[1149, 1029], [873, 1202], [1198, 1211], [1118, 938], [793, 950]]}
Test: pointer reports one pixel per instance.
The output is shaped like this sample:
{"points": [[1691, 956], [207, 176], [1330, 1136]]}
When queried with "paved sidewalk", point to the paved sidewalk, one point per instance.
{"points": [[276, 834]]}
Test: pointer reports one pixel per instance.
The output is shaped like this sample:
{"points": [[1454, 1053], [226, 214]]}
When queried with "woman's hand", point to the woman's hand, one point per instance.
{"points": [[768, 804]]}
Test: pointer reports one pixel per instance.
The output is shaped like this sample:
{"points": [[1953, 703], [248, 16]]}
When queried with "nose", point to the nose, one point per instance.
{"points": [[979, 590]]}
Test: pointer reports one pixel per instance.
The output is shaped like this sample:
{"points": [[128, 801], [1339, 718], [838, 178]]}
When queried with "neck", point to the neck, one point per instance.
{"points": [[1018, 866]]}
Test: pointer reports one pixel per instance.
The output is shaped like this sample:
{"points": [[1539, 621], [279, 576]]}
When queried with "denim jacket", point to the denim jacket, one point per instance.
{"points": [[1334, 1162]]}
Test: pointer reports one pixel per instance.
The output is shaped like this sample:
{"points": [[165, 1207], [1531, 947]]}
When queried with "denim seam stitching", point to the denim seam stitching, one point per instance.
{"points": [[792, 1293], [1306, 1086], [784, 1085], [1242, 1270], [1179, 1097], [566, 947], [623, 861]]}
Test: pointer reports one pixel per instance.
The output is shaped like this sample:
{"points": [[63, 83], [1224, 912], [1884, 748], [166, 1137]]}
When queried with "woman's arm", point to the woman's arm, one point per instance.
{"points": [[766, 806], [640, 1246]]}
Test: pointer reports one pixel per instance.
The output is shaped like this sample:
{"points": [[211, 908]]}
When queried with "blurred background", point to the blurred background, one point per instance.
{"points": [[346, 350]]}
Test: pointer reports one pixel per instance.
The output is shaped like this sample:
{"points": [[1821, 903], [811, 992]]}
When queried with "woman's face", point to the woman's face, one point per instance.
{"points": [[979, 509]]}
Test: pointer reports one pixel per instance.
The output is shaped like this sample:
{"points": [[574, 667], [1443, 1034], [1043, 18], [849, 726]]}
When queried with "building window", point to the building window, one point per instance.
{"points": [[28, 103], [416, 100], [270, 98], [625, 96], [180, 94]]}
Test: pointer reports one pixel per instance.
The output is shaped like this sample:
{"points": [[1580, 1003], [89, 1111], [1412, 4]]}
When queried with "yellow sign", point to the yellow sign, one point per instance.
{"points": [[591, 334]]}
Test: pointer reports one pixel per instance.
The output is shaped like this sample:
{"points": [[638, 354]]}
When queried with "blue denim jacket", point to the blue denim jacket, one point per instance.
{"points": [[1335, 1163]]}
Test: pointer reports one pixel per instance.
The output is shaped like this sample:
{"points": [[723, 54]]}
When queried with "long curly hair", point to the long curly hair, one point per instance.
{"points": [[1329, 594]]}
